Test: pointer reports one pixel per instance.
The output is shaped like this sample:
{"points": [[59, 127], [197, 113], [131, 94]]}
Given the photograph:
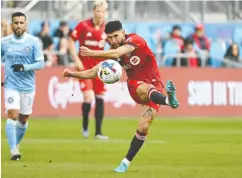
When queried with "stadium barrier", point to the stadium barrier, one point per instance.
{"points": [[201, 92]]}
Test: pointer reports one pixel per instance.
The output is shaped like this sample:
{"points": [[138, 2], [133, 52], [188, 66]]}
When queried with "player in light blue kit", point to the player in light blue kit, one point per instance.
{"points": [[22, 54]]}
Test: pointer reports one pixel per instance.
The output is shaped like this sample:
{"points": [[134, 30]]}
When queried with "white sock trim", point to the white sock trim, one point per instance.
{"points": [[167, 101], [126, 161]]}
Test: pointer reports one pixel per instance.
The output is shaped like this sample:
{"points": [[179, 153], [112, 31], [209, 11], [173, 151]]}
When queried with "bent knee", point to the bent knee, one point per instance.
{"points": [[143, 91], [13, 114]]}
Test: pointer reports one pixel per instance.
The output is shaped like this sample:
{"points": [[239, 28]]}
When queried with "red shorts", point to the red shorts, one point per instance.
{"points": [[92, 84], [132, 87]]}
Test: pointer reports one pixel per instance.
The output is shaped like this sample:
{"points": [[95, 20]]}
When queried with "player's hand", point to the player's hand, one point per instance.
{"points": [[84, 51], [67, 73], [18, 67]]}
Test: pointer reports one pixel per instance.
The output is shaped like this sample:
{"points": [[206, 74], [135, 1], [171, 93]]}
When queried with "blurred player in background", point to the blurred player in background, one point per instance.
{"points": [[22, 54], [144, 81], [90, 33]]}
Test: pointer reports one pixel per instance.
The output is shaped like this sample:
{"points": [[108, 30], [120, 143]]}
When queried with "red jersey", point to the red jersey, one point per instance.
{"points": [[140, 64], [88, 36]]}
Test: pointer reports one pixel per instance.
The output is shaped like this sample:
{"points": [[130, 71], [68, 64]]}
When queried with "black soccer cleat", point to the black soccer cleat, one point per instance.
{"points": [[16, 157]]}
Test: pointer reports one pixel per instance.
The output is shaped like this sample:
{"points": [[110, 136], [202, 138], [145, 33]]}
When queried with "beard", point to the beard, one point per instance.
{"points": [[18, 32], [115, 46]]}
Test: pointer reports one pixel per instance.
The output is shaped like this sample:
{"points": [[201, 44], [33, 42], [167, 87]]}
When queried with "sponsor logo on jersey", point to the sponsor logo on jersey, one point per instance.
{"points": [[100, 43], [127, 66]]}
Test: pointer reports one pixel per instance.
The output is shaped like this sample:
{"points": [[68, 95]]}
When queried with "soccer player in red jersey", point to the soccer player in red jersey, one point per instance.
{"points": [[90, 33], [144, 81]]}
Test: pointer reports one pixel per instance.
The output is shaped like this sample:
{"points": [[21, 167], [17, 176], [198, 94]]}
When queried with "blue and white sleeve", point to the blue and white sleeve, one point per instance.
{"points": [[2, 53], [38, 53], [38, 57]]}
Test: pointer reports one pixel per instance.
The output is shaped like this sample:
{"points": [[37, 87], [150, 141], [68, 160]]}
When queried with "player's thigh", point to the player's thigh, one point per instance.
{"points": [[147, 116], [26, 103], [133, 85], [143, 91], [87, 90], [98, 87], [12, 102]]}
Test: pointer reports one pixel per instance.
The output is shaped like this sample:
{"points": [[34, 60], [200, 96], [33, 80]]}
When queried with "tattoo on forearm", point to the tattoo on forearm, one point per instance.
{"points": [[148, 113]]}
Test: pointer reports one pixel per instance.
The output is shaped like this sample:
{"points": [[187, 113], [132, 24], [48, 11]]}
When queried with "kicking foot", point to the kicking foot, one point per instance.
{"points": [[121, 168], [171, 92], [15, 155], [101, 137]]}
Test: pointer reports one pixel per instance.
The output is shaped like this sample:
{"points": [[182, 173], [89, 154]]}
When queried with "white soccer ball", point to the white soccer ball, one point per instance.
{"points": [[110, 71]]}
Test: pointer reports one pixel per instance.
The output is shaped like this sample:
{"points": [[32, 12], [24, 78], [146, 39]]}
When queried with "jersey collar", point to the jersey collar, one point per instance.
{"points": [[19, 39], [102, 26]]}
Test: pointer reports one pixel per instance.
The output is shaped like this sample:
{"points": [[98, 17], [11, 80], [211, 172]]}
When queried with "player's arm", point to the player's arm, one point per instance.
{"points": [[86, 74], [109, 54], [38, 57], [75, 57], [74, 36], [2, 60], [2, 53]]}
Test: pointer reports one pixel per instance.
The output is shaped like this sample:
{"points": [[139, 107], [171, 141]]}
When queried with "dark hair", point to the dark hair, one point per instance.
{"points": [[176, 27], [229, 51], [113, 26], [18, 14], [188, 42], [63, 23], [43, 24]]}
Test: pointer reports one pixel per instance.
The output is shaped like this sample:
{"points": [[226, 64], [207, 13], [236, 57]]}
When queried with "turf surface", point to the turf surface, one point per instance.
{"points": [[176, 148]]}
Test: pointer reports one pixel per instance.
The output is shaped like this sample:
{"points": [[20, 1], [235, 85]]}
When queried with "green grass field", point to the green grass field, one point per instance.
{"points": [[176, 148]]}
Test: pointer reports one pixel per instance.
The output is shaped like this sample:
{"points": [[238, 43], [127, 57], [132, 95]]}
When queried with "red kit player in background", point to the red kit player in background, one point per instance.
{"points": [[144, 81], [90, 33]]}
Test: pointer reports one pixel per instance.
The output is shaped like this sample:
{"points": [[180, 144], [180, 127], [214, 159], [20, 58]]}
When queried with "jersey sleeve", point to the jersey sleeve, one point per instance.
{"points": [[38, 53], [2, 52], [77, 32], [135, 41]]}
